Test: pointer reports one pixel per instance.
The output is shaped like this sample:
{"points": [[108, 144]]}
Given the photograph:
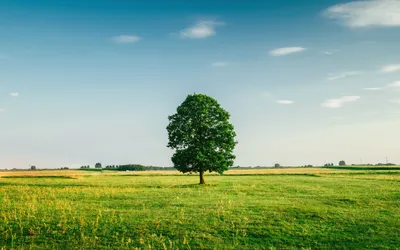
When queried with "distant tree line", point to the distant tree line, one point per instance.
{"points": [[385, 164], [136, 167], [343, 163], [127, 167]]}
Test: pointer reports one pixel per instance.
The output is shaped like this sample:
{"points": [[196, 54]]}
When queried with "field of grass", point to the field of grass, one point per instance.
{"points": [[314, 208]]}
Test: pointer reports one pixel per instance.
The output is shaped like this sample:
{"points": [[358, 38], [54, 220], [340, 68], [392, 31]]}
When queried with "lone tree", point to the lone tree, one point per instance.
{"points": [[342, 163], [98, 165], [202, 136]]}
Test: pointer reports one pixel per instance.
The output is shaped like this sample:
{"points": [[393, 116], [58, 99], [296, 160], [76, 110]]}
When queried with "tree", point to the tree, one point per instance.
{"points": [[277, 165], [342, 163], [132, 167], [33, 167], [98, 165], [202, 136]]}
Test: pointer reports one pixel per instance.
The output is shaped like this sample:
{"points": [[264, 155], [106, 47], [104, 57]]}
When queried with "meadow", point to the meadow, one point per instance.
{"points": [[299, 208]]}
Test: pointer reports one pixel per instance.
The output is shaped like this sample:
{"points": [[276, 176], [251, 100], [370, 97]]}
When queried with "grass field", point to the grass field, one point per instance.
{"points": [[317, 208]]}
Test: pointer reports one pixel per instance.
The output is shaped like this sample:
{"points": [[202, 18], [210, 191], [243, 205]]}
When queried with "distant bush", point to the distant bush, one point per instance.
{"points": [[98, 165], [342, 163], [33, 168], [131, 167], [277, 165], [111, 167], [385, 164]]}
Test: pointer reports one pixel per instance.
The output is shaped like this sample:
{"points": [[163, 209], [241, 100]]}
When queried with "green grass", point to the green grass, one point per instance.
{"points": [[326, 211]]}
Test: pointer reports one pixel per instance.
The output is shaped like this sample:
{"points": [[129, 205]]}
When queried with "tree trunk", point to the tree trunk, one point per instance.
{"points": [[202, 178]]}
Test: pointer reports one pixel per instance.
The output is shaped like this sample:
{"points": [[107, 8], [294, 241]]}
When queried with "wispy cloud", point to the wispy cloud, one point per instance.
{"points": [[395, 101], [394, 84], [327, 53], [332, 77], [370, 13], [14, 94], [372, 89], [272, 98], [123, 39], [286, 51], [201, 30], [219, 64], [284, 102], [339, 102], [390, 68], [2, 110]]}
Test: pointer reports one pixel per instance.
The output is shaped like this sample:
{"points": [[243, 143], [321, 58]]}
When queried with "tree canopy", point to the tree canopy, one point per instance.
{"points": [[202, 136]]}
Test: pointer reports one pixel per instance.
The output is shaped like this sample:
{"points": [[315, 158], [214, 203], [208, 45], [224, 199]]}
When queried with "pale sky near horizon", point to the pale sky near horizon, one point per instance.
{"points": [[305, 82]]}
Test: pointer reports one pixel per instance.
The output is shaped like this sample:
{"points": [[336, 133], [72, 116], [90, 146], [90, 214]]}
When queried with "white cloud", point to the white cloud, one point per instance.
{"points": [[339, 102], [202, 29], [286, 51], [395, 101], [328, 53], [125, 39], [391, 68], [15, 94], [219, 64], [372, 89], [370, 13], [2, 110], [285, 102], [332, 77], [394, 84]]}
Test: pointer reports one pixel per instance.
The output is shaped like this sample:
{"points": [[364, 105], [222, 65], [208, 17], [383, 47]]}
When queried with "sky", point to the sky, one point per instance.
{"points": [[305, 82]]}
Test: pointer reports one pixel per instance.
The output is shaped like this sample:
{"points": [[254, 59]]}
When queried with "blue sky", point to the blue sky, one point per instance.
{"points": [[306, 82]]}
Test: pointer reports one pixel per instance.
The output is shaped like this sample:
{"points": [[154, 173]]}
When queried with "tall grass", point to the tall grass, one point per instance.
{"points": [[341, 210]]}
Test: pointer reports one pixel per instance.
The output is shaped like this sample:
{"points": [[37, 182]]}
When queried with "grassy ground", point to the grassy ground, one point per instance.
{"points": [[278, 209]]}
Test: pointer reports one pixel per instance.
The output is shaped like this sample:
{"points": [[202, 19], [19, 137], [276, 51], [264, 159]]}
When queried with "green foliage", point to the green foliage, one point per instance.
{"points": [[33, 167], [135, 167], [132, 167], [98, 165], [202, 136], [112, 167], [277, 165], [342, 163]]}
